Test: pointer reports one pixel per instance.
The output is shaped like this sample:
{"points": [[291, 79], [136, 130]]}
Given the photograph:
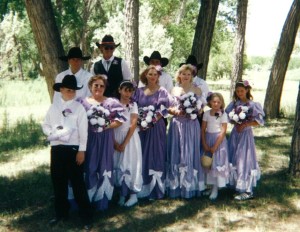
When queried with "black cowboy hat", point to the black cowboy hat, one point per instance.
{"points": [[69, 81], [107, 40], [74, 52], [193, 61], [156, 56]]}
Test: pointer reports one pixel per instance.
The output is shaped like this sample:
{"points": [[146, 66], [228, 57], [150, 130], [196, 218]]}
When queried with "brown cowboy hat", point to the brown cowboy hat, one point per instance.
{"points": [[107, 40], [74, 52], [193, 61], [156, 56], [69, 81]]}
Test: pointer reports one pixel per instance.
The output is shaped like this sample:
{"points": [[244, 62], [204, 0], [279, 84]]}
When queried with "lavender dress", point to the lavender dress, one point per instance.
{"points": [[245, 171], [185, 176], [153, 141], [99, 157], [218, 174]]}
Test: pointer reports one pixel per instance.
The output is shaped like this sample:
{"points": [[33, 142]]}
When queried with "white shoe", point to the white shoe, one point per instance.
{"points": [[131, 201], [214, 193]]}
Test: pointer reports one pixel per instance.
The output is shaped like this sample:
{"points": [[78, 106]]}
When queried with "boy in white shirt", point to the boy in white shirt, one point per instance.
{"points": [[66, 127]]}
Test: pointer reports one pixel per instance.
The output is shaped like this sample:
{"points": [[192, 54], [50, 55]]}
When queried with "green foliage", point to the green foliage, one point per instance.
{"points": [[24, 134], [294, 63]]}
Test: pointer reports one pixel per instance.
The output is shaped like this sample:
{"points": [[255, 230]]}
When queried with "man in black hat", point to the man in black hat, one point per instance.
{"points": [[75, 60], [165, 79], [116, 69], [198, 81]]}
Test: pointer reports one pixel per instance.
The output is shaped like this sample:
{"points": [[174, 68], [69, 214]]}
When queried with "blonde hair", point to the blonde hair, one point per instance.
{"points": [[185, 67]]}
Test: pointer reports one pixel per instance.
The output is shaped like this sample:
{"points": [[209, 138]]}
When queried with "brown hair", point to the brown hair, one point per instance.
{"points": [[244, 84], [143, 76], [97, 77], [183, 68]]}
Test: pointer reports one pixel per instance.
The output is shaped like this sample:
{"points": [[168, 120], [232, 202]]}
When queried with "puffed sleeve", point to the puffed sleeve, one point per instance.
{"points": [[117, 110], [136, 95], [134, 109], [165, 100], [224, 118], [229, 108], [205, 116], [258, 113]]}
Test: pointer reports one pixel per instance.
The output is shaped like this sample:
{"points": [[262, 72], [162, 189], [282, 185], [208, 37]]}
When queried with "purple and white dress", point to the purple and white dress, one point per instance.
{"points": [[153, 141], [245, 171], [218, 174], [128, 164], [99, 157], [185, 177]]}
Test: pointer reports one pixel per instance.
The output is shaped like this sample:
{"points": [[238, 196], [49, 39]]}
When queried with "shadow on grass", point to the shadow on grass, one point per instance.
{"points": [[25, 200]]}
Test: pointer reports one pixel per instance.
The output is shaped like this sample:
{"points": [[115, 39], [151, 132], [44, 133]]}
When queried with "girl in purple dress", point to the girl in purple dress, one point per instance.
{"points": [[243, 113], [104, 114], [185, 176], [153, 102], [214, 126]]}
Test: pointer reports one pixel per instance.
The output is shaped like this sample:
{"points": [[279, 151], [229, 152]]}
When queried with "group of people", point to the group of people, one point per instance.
{"points": [[108, 134]]}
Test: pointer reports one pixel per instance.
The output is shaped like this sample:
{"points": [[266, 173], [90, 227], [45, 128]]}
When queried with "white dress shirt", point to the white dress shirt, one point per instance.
{"points": [[82, 78], [199, 82], [75, 121]]}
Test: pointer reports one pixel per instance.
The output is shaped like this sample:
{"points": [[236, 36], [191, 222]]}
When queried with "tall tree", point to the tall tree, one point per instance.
{"points": [[47, 38], [132, 36], [204, 33], [237, 68], [281, 61], [294, 167]]}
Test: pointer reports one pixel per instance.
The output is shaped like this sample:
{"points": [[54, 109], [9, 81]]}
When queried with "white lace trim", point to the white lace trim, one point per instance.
{"points": [[156, 179], [96, 194]]}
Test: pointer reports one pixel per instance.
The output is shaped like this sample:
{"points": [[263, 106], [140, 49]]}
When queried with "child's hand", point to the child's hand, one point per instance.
{"points": [[206, 148], [80, 157], [122, 147]]}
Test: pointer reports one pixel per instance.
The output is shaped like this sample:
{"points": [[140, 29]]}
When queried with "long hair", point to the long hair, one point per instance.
{"points": [[183, 68], [143, 76], [244, 84]]}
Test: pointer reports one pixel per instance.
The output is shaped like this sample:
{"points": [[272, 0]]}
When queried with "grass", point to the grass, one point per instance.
{"points": [[25, 186]]}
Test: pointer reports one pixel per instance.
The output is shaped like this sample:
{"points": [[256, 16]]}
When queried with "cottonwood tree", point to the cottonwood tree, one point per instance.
{"points": [[281, 61], [132, 36], [47, 38], [241, 21], [204, 33], [294, 167]]}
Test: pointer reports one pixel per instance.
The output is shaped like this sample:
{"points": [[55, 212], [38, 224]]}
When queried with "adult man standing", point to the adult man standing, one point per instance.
{"points": [[115, 68], [165, 79], [75, 60]]}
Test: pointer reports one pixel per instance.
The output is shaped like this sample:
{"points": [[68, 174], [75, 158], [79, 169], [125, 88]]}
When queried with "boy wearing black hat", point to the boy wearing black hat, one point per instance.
{"points": [[116, 69], [75, 60], [66, 126], [165, 79]]}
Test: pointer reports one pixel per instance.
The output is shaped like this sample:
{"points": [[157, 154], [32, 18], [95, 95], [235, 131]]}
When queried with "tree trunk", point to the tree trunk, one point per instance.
{"points": [[237, 69], [294, 168], [47, 38], [281, 61], [132, 36], [181, 12], [204, 33]]}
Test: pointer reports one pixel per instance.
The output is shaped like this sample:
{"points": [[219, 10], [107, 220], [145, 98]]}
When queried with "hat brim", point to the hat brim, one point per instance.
{"points": [[163, 61], [57, 87], [106, 44], [66, 58]]}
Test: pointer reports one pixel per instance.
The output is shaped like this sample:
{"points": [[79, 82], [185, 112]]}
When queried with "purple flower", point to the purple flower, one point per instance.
{"points": [[66, 112]]}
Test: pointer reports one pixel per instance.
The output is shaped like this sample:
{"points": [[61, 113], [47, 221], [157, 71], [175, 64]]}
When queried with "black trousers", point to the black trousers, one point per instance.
{"points": [[63, 169]]}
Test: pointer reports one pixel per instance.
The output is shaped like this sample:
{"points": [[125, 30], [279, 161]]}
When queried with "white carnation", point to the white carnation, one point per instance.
{"points": [[145, 108], [193, 116], [186, 103], [93, 121], [89, 112], [151, 107], [189, 110], [148, 119], [150, 113], [242, 115], [235, 118], [106, 112], [100, 129], [193, 99], [231, 114], [144, 124], [245, 108], [101, 121]]}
